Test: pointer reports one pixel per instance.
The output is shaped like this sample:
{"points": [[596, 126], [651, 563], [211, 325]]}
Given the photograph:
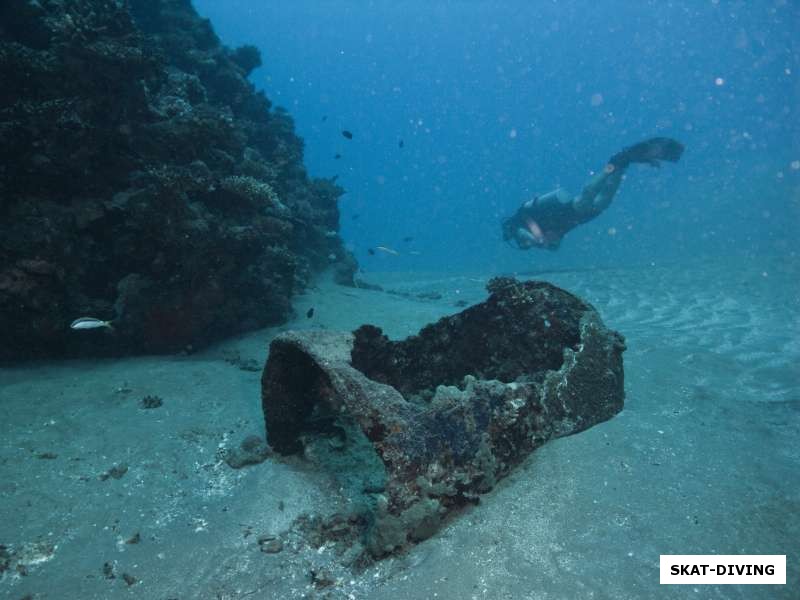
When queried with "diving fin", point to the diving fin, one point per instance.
{"points": [[649, 151]]}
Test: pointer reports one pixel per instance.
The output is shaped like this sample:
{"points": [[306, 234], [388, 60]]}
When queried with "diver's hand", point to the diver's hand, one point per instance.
{"points": [[525, 239]]}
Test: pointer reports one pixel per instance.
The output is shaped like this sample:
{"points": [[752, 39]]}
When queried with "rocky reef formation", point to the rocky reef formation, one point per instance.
{"points": [[445, 413], [143, 180]]}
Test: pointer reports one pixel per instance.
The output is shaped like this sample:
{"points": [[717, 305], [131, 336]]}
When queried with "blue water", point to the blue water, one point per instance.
{"points": [[498, 101]]}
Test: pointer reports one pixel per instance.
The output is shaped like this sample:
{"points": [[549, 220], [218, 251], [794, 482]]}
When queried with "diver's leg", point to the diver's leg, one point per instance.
{"points": [[598, 193]]}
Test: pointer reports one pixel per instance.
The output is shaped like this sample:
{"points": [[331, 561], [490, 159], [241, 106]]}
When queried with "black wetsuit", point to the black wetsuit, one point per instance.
{"points": [[543, 221], [556, 218]]}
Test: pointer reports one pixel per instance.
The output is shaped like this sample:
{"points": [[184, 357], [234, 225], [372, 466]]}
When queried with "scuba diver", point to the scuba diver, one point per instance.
{"points": [[543, 221]]}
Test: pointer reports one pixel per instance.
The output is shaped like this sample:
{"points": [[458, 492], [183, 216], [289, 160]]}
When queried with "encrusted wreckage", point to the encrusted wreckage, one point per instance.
{"points": [[451, 410]]}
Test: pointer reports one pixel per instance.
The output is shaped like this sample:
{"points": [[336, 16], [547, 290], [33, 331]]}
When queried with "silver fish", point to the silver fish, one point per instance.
{"points": [[90, 323]]}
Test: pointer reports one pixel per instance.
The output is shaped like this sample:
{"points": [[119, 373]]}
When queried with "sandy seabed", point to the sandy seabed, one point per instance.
{"points": [[704, 459]]}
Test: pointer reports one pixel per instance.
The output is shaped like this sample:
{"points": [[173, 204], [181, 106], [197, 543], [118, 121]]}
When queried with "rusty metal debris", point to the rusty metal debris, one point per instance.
{"points": [[453, 409]]}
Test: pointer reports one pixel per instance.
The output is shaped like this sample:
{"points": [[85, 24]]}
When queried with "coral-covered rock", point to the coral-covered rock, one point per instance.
{"points": [[452, 409], [145, 181]]}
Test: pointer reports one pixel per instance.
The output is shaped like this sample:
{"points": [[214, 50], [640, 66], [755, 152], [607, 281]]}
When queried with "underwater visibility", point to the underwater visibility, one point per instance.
{"points": [[344, 300]]}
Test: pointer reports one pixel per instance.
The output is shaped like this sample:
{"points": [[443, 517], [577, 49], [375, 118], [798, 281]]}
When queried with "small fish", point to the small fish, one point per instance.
{"points": [[371, 251], [408, 238], [90, 323], [337, 156], [355, 217], [401, 144], [310, 313], [324, 118], [347, 134], [387, 250]]}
